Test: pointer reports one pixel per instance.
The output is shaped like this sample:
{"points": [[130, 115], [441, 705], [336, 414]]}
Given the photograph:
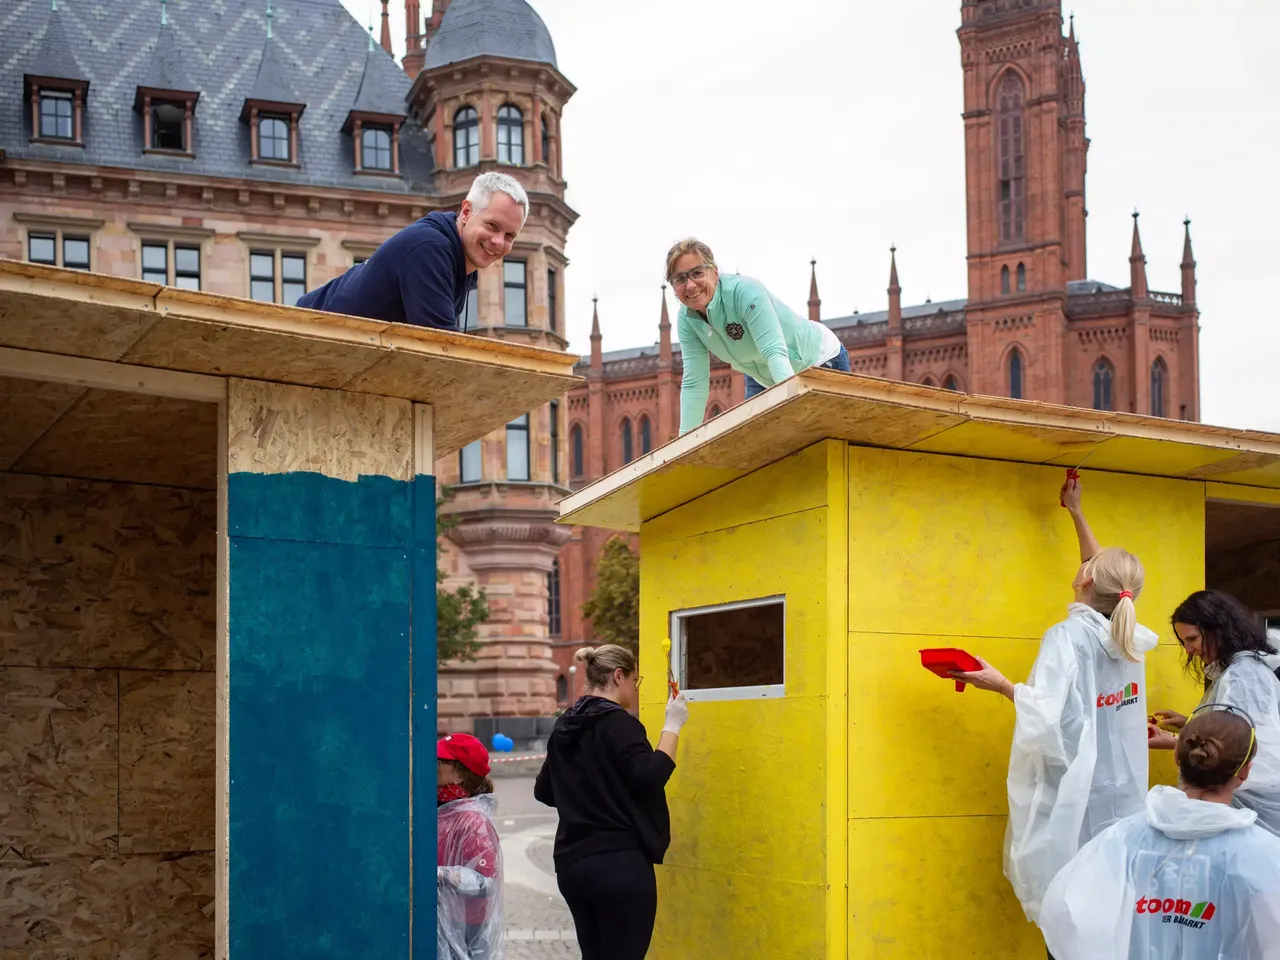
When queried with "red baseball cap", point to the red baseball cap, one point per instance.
{"points": [[465, 749]]}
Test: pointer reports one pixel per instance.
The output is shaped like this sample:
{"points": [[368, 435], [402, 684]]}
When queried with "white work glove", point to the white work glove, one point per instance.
{"points": [[677, 714]]}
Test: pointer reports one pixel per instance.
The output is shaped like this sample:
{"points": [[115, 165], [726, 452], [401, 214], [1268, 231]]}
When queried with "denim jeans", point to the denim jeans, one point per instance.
{"points": [[839, 362]]}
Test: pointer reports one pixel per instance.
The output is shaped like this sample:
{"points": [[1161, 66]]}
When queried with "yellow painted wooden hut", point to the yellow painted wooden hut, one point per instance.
{"points": [[217, 617], [832, 798]]}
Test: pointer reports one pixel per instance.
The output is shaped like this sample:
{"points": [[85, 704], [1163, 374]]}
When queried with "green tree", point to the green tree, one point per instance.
{"points": [[460, 612], [614, 605]]}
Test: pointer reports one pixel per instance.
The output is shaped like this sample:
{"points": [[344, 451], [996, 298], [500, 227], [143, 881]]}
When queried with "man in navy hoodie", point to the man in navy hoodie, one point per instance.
{"points": [[422, 274]]}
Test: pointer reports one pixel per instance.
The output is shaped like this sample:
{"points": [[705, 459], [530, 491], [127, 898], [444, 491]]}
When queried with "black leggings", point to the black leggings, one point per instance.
{"points": [[614, 900]]}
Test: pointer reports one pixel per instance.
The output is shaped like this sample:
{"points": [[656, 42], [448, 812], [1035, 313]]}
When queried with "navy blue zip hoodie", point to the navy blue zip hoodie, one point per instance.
{"points": [[419, 276], [607, 783]]}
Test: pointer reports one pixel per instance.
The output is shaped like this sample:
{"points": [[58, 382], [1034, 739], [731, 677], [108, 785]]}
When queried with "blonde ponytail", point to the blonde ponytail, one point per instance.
{"points": [[1118, 578]]}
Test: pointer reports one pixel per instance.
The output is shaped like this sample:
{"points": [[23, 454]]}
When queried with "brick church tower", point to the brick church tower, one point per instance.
{"points": [[1031, 314]]}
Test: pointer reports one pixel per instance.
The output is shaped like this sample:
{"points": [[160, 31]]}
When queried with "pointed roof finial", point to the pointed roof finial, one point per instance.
{"points": [[1187, 259], [893, 269], [370, 47], [53, 6], [164, 13], [271, 15]]}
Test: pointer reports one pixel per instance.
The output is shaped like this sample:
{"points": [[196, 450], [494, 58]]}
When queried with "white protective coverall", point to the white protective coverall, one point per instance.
{"points": [[1251, 685], [468, 880], [1184, 880], [1079, 757]]}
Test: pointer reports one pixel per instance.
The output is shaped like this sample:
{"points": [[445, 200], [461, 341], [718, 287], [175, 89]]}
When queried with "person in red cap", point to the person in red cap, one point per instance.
{"points": [[468, 857]]}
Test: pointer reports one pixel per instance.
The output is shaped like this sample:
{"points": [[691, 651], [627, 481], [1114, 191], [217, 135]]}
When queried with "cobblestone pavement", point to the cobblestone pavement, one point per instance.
{"points": [[539, 927]]}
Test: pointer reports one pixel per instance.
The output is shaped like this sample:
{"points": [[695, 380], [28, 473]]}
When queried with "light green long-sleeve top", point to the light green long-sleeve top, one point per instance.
{"points": [[749, 329]]}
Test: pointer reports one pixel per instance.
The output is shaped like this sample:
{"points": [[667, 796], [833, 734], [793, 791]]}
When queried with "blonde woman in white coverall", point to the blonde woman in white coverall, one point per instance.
{"points": [[1079, 757], [1191, 877]]}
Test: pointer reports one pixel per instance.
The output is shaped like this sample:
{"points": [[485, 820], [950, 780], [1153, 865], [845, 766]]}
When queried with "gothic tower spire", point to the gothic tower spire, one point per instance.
{"points": [[597, 356], [815, 302], [1188, 267], [895, 291], [1137, 265], [386, 27]]}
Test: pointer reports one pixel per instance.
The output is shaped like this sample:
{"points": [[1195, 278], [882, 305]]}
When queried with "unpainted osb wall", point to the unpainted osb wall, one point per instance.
{"points": [[106, 720], [1250, 574]]}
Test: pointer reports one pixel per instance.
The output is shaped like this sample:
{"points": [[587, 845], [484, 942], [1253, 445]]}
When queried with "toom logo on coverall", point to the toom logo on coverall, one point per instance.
{"points": [[1122, 699], [1178, 911]]}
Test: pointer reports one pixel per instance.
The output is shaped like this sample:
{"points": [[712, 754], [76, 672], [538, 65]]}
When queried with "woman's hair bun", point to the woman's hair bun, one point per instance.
{"points": [[585, 654], [1203, 752]]}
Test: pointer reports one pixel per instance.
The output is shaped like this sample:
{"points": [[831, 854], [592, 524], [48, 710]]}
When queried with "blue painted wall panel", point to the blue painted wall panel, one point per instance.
{"points": [[424, 719], [375, 511]]}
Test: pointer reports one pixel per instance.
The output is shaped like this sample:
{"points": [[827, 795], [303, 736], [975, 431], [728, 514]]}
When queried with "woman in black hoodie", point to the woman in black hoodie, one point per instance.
{"points": [[608, 785]]}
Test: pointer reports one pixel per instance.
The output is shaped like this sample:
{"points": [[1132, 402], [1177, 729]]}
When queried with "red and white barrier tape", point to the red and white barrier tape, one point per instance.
{"points": [[532, 756]]}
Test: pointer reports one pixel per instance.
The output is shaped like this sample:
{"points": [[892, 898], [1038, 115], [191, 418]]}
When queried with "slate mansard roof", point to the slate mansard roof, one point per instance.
{"points": [[496, 28], [215, 48]]}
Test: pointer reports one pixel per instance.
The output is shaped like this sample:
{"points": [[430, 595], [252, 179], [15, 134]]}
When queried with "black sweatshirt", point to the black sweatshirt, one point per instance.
{"points": [[418, 276], [607, 783]]}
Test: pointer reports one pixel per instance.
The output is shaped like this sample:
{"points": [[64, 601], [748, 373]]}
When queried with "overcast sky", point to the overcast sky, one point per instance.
{"points": [[778, 132]]}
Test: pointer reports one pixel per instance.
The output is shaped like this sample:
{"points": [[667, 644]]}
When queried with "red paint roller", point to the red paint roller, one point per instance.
{"points": [[1073, 473]]}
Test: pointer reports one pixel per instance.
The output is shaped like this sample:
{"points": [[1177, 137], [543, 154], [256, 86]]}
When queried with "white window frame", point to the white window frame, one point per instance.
{"points": [[677, 620], [1268, 615]]}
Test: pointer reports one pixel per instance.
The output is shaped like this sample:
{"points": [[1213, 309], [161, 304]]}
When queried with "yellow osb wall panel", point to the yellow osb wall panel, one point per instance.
{"points": [[121, 908], [105, 575], [58, 788], [797, 483], [933, 888], [949, 546], [166, 762], [704, 914], [276, 428]]}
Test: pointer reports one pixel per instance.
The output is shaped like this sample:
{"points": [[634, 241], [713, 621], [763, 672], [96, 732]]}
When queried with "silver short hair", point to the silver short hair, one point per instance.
{"points": [[487, 184]]}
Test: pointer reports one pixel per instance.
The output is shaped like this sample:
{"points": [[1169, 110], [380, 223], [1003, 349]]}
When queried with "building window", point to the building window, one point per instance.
{"points": [[1159, 377], [553, 599], [553, 409], [1004, 279], [57, 111], [1022, 277], [168, 125], [546, 141], [266, 265], [575, 456], [469, 460], [646, 439], [1010, 158], [733, 651], [1015, 373], [562, 689], [715, 410], [510, 135], [42, 248], [75, 252], [551, 299], [375, 148], [628, 452], [1103, 376], [156, 258], [514, 305], [45, 248], [518, 448], [273, 138], [466, 137], [950, 383], [470, 310]]}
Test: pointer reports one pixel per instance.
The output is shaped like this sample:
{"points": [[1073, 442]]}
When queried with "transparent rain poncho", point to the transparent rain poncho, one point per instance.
{"points": [[468, 881], [1250, 684], [1079, 757], [1183, 880]]}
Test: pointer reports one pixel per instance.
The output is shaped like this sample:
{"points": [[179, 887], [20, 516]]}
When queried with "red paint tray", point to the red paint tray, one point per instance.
{"points": [[943, 660]]}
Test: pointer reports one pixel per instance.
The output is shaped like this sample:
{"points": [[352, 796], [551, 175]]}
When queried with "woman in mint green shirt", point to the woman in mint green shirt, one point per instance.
{"points": [[744, 325]]}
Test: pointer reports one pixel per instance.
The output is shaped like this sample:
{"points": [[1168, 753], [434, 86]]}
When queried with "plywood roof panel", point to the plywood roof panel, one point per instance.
{"points": [[866, 411], [27, 410]]}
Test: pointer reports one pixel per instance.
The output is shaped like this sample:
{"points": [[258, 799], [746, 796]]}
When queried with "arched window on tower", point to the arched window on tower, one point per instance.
{"points": [[1004, 279], [951, 383], [562, 689], [1103, 379], [714, 412], [628, 451], [546, 141], [928, 382], [646, 435], [510, 135], [1159, 378], [1015, 373], [1011, 162], [1022, 277], [466, 137], [575, 443], [553, 598]]}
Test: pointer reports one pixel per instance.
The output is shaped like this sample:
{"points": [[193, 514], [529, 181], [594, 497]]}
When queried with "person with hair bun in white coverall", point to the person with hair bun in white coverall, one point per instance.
{"points": [[1079, 757], [1190, 878]]}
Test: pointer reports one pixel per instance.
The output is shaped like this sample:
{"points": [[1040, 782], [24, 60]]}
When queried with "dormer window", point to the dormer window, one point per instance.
{"points": [[57, 111], [375, 141], [274, 138], [375, 148], [166, 98], [272, 111]]}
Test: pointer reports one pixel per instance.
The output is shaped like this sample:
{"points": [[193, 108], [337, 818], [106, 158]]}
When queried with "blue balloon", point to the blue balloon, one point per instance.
{"points": [[501, 743]]}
